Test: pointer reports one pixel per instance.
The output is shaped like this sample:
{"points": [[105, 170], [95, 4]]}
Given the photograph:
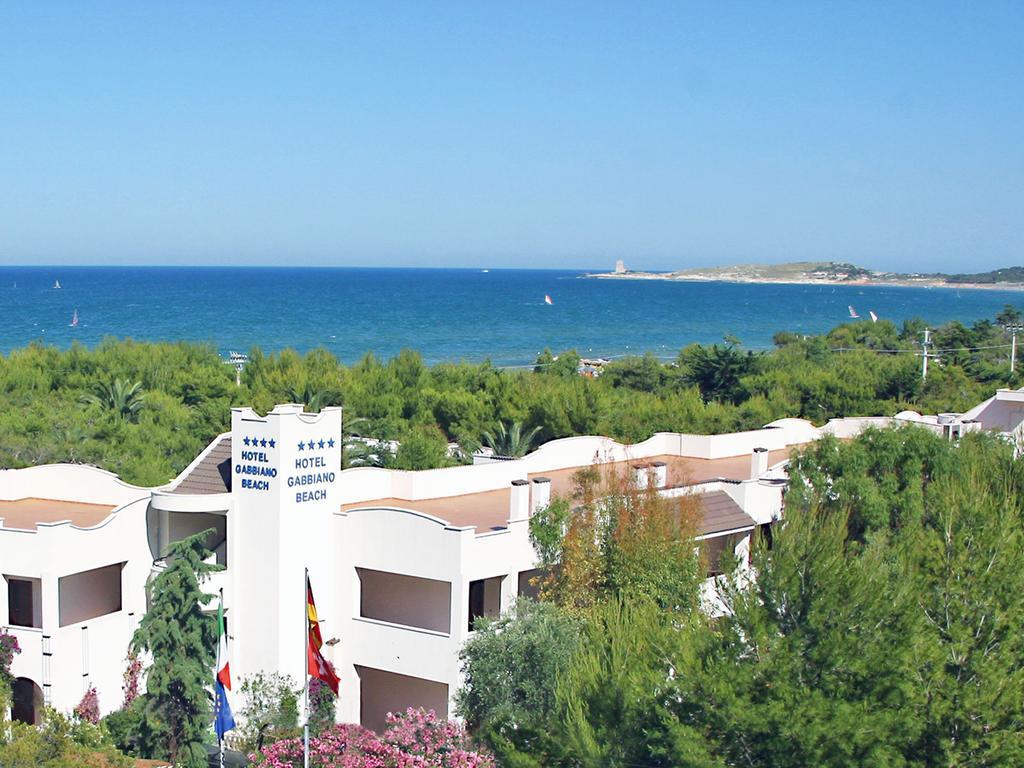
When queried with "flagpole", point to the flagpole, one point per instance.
{"points": [[220, 737], [305, 666]]}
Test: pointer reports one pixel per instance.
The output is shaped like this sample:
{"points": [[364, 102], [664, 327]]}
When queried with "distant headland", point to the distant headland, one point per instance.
{"points": [[827, 273]]}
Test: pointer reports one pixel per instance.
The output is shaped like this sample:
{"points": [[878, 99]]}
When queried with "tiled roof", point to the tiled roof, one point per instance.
{"points": [[212, 474], [720, 513]]}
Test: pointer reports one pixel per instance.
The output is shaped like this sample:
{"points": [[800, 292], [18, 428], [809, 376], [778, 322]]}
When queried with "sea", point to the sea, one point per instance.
{"points": [[499, 315]]}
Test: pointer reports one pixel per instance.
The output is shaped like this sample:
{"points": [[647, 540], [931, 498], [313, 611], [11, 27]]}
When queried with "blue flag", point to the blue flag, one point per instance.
{"points": [[224, 721]]}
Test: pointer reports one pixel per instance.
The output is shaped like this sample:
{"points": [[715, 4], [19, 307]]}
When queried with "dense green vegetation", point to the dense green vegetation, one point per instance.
{"points": [[885, 627], [59, 742], [181, 638], [145, 410], [1004, 275]]}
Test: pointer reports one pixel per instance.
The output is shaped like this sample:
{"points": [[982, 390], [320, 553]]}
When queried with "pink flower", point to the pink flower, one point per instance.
{"points": [[88, 708], [415, 739]]}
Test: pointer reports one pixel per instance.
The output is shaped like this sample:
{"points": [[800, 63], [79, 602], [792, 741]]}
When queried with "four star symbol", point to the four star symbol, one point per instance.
{"points": [[262, 442]]}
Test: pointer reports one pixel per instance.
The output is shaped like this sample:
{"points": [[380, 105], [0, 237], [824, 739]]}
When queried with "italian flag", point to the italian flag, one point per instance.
{"points": [[223, 664]]}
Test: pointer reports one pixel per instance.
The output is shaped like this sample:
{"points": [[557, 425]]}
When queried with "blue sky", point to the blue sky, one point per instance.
{"points": [[513, 134]]}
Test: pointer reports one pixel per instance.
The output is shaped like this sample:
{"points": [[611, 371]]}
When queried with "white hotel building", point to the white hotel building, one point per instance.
{"points": [[401, 562]]}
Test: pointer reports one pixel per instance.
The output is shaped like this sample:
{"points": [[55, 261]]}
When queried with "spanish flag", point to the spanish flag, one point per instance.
{"points": [[317, 665]]}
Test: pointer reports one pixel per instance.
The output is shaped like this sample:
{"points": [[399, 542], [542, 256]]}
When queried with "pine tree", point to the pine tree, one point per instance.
{"points": [[969, 578], [181, 638]]}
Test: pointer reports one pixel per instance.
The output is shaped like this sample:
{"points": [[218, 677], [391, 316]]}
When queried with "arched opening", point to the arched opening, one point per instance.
{"points": [[26, 701]]}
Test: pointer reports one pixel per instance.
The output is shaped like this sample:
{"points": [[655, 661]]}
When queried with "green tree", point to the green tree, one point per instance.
{"points": [[644, 373], [814, 662], [270, 711], [878, 480], [181, 638], [510, 440], [716, 370], [422, 448], [510, 667], [614, 538], [315, 399], [1008, 315], [617, 699], [124, 399], [60, 742], [969, 584]]}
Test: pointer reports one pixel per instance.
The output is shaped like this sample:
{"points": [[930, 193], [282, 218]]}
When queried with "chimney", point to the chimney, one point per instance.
{"points": [[660, 469], [758, 463], [519, 501], [541, 496], [641, 475]]}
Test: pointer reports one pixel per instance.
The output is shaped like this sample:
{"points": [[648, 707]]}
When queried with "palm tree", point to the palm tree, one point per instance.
{"points": [[315, 399], [357, 451], [121, 397], [510, 440]]}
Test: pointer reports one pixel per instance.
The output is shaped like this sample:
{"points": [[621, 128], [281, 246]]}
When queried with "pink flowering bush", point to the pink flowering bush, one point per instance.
{"points": [[88, 709], [130, 679], [416, 739]]}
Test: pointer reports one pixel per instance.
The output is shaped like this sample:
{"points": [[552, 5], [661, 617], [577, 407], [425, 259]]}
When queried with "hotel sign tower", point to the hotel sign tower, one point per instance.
{"points": [[284, 469]]}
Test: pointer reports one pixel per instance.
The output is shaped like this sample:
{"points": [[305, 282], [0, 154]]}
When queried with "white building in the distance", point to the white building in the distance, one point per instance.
{"points": [[401, 562]]}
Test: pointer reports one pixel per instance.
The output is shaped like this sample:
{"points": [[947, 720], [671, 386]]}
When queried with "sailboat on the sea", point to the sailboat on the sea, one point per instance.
{"points": [[56, 283], [74, 320], [874, 317], [547, 299], [853, 312]]}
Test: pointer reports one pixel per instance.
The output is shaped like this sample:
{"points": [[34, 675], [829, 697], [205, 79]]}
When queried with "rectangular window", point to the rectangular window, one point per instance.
{"points": [[89, 594], [715, 549], [408, 600], [24, 602], [383, 692], [484, 599], [528, 586]]}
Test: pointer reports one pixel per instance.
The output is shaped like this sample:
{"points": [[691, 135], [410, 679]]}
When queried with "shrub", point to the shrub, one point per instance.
{"points": [[415, 739], [88, 709]]}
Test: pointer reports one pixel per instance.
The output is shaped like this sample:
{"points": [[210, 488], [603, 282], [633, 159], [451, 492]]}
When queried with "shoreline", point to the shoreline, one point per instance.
{"points": [[705, 278]]}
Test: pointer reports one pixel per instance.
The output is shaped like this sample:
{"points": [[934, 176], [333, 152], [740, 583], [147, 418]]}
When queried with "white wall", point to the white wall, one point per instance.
{"points": [[68, 482], [97, 654]]}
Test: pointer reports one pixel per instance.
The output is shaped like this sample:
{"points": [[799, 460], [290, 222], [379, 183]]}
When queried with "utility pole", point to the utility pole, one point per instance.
{"points": [[925, 354], [1014, 329]]}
